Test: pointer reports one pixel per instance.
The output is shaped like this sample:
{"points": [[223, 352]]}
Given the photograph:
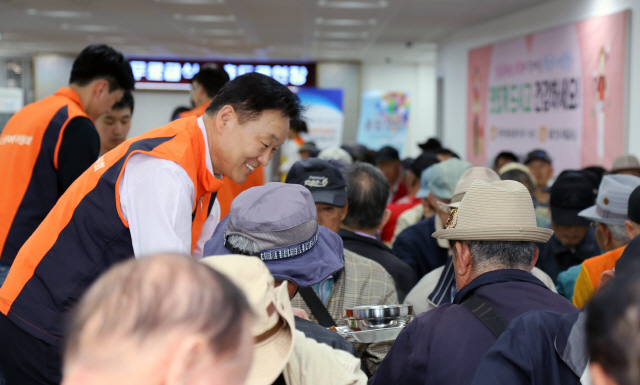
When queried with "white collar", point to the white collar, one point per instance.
{"points": [[207, 155]]}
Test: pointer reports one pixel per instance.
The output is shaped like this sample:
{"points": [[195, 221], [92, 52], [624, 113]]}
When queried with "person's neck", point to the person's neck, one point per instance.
{"points": [[372, 232], [84, 94], [203, 101]]}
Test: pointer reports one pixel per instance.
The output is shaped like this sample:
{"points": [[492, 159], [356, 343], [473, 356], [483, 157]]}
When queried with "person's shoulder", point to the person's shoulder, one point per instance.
{"points": [[366, 269], [603, 259], [425, 285], [416, 230]]}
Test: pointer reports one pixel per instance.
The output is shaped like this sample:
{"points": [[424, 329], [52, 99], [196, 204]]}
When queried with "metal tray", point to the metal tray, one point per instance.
{"points": [[370, 336]]}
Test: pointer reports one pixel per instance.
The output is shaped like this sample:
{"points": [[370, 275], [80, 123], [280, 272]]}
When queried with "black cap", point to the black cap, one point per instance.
{"points": [[633, 210], [537, 154], [571, 193], [323, 179], [424, 161], [430, 145], [387, 153], [630, 255]]}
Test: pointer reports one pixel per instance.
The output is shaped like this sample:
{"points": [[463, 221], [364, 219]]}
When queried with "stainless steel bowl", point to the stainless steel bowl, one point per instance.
{"points": [[377, 317]]}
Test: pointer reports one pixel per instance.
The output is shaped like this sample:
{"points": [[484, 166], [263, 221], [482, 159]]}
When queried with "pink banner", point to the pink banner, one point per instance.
{"points": [[561, 90]]}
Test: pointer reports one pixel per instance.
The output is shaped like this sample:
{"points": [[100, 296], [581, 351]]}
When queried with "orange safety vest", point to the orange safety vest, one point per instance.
{"points": [[29, 146], [197, 112], [230, 190], [86, 233]]}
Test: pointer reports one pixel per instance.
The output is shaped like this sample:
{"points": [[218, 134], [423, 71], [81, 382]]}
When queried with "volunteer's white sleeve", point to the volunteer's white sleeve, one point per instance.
{"points": [[207, 230], [156, 198]]}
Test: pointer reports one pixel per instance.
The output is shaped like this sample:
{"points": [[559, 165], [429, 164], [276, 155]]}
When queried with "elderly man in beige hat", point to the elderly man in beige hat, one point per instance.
{"points": [[164, 319], [493, 235], [439, 286], [282, 354]]}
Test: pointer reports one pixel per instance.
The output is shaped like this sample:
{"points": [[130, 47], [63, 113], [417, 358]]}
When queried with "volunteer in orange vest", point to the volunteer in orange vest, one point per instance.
{"points": [[204, 86], [151, 194], [46, 145], [113, 126]]}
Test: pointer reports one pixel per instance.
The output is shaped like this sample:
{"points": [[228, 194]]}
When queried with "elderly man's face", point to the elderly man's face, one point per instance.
{"points": [[541, 170], [330, 216], [569, 236], [391, 170]]}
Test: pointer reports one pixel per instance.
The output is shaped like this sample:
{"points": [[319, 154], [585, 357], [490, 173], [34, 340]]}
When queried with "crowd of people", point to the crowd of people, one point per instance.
{"points": [[166, 258]]}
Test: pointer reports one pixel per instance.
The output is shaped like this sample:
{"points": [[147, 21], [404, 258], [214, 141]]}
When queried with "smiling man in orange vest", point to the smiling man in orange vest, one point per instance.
{"points": [[45, 146], [151, 194]]}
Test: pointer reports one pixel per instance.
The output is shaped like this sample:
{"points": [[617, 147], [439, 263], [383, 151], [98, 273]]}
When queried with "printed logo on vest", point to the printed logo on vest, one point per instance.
{"points": [[99, 164], [317, 181], [23, 140]]}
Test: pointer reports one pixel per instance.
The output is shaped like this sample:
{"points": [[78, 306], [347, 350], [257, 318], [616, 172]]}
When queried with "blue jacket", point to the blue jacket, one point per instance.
{"points": [[555, 257], [444, 346], [419, 249], [538, 348]]}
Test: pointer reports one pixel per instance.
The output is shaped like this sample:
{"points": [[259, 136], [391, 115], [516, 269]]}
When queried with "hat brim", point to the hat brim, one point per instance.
{"points": [[568, 217], [496, 233], [592, 215], [422, 193], [271, 355], [448, 206], [314, 266], [331, 197]]}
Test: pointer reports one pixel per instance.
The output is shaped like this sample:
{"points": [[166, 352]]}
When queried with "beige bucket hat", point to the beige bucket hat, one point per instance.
{"points": [[273, 325], [469, 176], [496, 211]]}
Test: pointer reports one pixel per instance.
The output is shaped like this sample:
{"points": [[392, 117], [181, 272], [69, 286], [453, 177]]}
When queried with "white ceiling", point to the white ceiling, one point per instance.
{"points": [[291, 29]]}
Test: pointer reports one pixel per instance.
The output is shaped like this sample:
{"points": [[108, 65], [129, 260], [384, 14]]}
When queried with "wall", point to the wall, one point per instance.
{"points": [[50, 72], [154, 108], [419, 81], [347, 77], [453, 51]]}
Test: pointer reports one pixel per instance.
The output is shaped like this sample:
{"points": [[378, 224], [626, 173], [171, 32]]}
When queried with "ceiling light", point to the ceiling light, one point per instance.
{"points": [[192, 2], [345, 22], [89, 28], [204, 18], [342, 35], [352, 4], [61, 14], [217, 32]]}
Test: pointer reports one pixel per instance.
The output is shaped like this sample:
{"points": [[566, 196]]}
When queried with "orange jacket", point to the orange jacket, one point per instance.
{"points": [[589, 276], [86, 233], [29, 146], [230, 190], [197, 112]]}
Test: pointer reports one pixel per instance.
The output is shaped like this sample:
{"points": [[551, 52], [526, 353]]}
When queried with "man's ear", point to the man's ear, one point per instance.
{"points": [[385, 219], [188, 354], [100, 88], [224, 117], [536, 253], [631, 231], [464, 258], [605, 277], [599, 376]]}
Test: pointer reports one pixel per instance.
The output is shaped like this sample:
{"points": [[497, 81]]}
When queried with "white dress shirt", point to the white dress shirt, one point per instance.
{"points": [[156, 198]]}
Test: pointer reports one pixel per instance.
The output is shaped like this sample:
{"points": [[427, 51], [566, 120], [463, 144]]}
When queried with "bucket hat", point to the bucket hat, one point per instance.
{"points": [[442, 177], [273, 339], [613, 200], [282, 220], [625, 163], [475, 173], [496, 211]]}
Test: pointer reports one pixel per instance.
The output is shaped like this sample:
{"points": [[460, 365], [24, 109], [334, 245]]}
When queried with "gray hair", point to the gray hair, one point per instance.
{"points": [[243, 245], [490, 255], [519, 176], [619, 233], [368, 192]]}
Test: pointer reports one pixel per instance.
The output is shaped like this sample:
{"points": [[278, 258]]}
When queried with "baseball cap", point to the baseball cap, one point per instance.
{"points": [[282, 220], [624, 163], [613, 199], [571, 193], [423, 162], [323, 179], [443, 177], [537, 154], [387, 153]]}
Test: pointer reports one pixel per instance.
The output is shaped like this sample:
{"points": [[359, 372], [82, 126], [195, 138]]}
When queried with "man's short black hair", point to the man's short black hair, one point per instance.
{"points": [[367, 194], [99, 61], [298, 125], [211, 79], [506, 155], [125, 102], [253, 93]]}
